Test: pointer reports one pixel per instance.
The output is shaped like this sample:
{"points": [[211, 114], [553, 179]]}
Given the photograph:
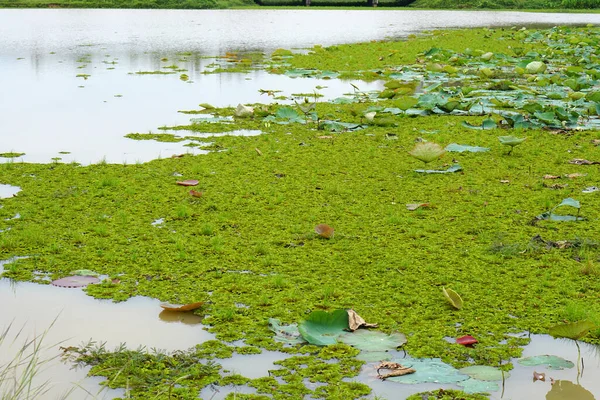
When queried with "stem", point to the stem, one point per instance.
{"points": [[578, 358]]}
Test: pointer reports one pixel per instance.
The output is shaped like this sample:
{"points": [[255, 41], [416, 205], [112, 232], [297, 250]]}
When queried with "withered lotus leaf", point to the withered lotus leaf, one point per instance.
{"points": [[75, 281], [188, 182], [195, 193], [355, 321], [182, 307], [467, 340], [324, 231]]}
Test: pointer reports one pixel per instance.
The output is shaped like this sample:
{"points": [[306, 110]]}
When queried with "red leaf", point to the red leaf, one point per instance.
{"points": [[467, 340], [189, 182], [195, 193]]}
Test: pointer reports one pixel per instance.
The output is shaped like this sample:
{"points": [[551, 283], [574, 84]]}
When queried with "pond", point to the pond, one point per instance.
{"points": [[73, 89]]}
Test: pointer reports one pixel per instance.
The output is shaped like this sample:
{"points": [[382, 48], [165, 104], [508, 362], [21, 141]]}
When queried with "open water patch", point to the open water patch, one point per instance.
{"points": [[7, 191], [71, 318]]}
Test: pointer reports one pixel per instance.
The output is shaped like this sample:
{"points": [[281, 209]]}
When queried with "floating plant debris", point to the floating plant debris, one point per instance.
{"points": [[182, 307], [189, 182], [75, 281], [324, 230]]}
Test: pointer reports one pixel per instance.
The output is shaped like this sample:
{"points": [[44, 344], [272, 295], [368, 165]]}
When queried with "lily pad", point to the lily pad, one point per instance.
{"points": [[552, 362], [182, 307], [476, 386], [574, 330], [453, 168], [467, 340], [483, 373], [75, 281], [374, 356], [453, 298], [486, 124], [285, 333], [374, 341], [511, 140], [462, 148], [322, 328], [570, 202], [429, 371], [427, 151]]}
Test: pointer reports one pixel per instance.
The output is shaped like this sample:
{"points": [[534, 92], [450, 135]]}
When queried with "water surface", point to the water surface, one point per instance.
{"points": [[50, 113]]}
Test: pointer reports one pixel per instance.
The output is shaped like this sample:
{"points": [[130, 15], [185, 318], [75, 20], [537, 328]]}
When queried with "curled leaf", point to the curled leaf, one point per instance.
{"points": [[453, 298], [195, 193], [189, 182], [414, 206], [182, 307], [427, 151], [355, 321], [324, 230], [467, 340], [539, 376]]}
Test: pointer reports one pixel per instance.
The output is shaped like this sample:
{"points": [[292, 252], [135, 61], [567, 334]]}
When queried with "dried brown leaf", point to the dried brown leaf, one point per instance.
{"points": [[596, 142], [575, 175], [258, 151], [355, 321], [539, 376], [551, 177], [189, 182], [195, 193], [414, 206], [325, 137], [581, 161], [556, 186], [504, 181], [324, 230], [395, 370]]}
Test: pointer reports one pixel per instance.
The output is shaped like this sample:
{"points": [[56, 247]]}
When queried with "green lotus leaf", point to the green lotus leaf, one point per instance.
{"points": [[459, 148], [285, 333], [295, 73], [287, 113], [483, 373], [373, 341], [453, 168], [429, 371], [511, 140], [374, 356], [405, 102], [453, 298], [392, 110], [552, 362], [548, 117], [476, 386], [574, 330], [427, 151], [535, 67], [566, 390], [486, 124], [322, 328], [570, 202], [210, 118]]}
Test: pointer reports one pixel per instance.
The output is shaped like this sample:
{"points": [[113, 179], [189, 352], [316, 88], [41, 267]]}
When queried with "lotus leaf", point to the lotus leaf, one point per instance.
{"points": [[453, 168], [429, 371], [75, 281], [567, 390], [552, 362], [483, 373], [461, 148], [392, 110], [427, 151], [486, 124], [511, 140], [477, 386], [535, 67], [244, 111], [373, 341], [322, 328], [570, 202], [453, 298], [574, 330], [337, 126], [285, 333], [374, 356], [295, 73], [547, 117], [182, 307]]}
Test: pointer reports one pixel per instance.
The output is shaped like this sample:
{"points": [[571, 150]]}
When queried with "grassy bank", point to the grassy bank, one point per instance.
{"points": [[507, 4], [247, 246]]}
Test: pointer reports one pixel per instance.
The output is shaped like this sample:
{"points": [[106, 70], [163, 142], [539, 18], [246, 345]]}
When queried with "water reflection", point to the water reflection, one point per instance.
{"points": [[566, 390]]}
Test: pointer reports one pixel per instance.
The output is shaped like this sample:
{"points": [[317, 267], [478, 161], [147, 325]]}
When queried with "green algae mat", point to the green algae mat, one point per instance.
{"points": [[458, 200]]}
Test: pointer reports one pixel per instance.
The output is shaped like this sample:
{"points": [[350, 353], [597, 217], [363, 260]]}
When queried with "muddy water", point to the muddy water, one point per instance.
{"points": [[48, 112], [71, 318]]}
